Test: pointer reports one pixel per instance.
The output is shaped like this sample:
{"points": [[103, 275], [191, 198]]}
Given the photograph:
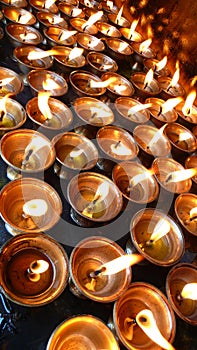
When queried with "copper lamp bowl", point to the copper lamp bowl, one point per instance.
{"points": [[80, 81]]}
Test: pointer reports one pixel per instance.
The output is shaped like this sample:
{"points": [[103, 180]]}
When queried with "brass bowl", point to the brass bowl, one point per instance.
{"points": [[80, 83], [15, 86], [120, 86], [89, 43], [53, 36], [39, 5], [108, 30], [100, 63], [68, 11], [62, 62], [136, 37], [77, 24], [13, 197], [121, 23], [16, 15], [47, 19], [15, 116], [21, 55], [36, 78], [15, 30]]}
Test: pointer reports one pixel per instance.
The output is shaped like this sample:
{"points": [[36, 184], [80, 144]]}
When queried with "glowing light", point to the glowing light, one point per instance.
{"points": [[135, 180], [187, 108], [148, 78], [120, 149], [189, 291], [55, 20], [123, 46], [170, 104], [92, 19], [138, 107], [110, 4], [35, 145], [119, 15], [156, 137], [49, 3], [66, 34], [101, 193], [175, 77], [147, 323], [75, 53], [24, 18], [180, 175], [102, 84], [74, 154], [161, 64], [161, 229], [132, 28], [43, 105], [27, 36], [50, 84], [145, 45], [194, 80], [193, 213], [118, 264], [75, 12], [35, 207]]}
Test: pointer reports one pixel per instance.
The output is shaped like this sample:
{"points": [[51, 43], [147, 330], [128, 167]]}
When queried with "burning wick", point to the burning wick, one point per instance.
{"points": [[2, 114], [137, 179], [116, 265], [155, 138], [138, 108], [161, 229], [180, 175], [146, 321], [74, 154], [169, 105], [148, 79], [35, 269], [101, 193], [175, 78]]}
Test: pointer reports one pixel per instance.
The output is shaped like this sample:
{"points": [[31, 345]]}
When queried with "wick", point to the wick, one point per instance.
{"points": [[168, 88], [169, 177], [19, 17], [155, 68], [60, 35], [24, 162], [192, 219], [145, 86], [85, 27], [97, 272], [149, 242], [93, 115], [160, 111], [143, 319], [71, 13], [108, 30], [2, 113], [117, 144]]}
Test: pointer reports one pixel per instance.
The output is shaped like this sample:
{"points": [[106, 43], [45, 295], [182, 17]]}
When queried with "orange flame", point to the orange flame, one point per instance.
{"points": [[189, 291], [180, 175], [101, 193], [146, 321], [161, 229], [92, 19], [74, 154], [24, 18], [187, 108], [156, 137], [102, 84], [122, 46], [49, 3], [145, 45], [175, 77], [194, 80], [119, 264], [74, 53], [43, 98], [120, 149], [119, 15], [193, 213], [135, 180], [161, 64], [138, 108], [132, 28], [27, 36], [170, 104], [148, 78], [110, 4], [66, 34], [35, 207], [50, 84]]}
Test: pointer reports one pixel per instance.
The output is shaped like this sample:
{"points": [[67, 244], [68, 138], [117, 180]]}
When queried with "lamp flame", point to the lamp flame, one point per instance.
{"points": [[39, 266], [24, 18], [170, 104], [74, 53], [148, 78], [119, 15], [122, 46], [101, 112], [156, 137], [145, 45], [110, 4], [189, 291], [161, 64], [36, 143], [180, 175], [193, 213], [194, 80], [102, 84], [147, 323], [55, 20], [76, 153], [35, 207], [50, 84], [120, 149], [93, 43], [3, 102], [27, 36], [92, 19], [6, 81], [43, 98], [49, 3], [66, 34], [118, 264], [135, 180], [175, 77], [138, 108], [132, 28], [36, 55], [187, 108], [161, 229], [101, 193], [75, 12]]}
